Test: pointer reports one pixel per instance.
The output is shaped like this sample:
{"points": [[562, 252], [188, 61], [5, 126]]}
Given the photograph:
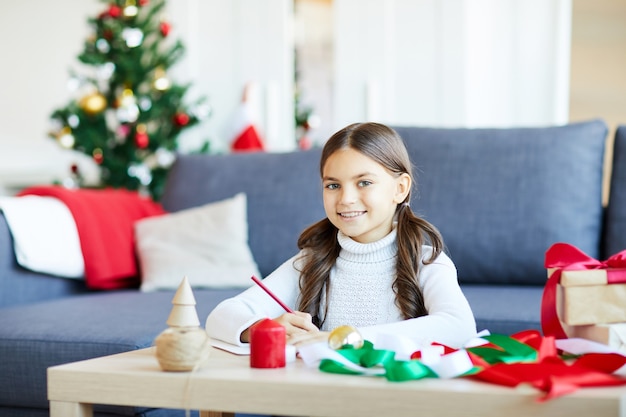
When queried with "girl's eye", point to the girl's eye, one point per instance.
{"points": [[364, 183], [332, 186]]}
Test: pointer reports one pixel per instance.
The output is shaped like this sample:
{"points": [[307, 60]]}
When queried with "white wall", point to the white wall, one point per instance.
{"points": [[420, 62], [452, 62], [39, 40], [229, 43], [232, 43]]}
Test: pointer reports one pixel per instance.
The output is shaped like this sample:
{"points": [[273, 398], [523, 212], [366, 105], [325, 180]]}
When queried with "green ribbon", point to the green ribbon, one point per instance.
{"points": [[368, 357], [507, 350]]}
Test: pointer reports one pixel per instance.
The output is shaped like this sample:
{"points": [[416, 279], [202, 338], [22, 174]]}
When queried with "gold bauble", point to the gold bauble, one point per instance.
{"points": [[345, 336], [93, 103]]}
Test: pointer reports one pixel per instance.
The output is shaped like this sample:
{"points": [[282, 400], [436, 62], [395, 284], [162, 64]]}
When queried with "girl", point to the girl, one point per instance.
{"points": [[371, 263]]}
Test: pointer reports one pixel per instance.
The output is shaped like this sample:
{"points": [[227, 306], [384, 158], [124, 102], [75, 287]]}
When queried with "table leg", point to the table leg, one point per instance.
{"points": [[215, 414], [65, 409]]}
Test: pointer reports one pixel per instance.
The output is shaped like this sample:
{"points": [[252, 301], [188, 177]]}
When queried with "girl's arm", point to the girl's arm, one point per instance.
{"points": [[235, 315], [450, 320]]}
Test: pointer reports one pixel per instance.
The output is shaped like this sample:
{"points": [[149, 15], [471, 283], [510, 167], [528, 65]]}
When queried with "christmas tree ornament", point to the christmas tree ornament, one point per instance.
{"points": [[127, 109], [141, 136], [161, 82], [73, 121], [65, 138], [130, 9], [122, 132], [107, 34], [345, 336], [165, 28], [105, 71], [98, 156], [165, 158], [184, 346], [145, 104], [103, 46], [132, 36], [144, 2], [141, 172], [93, 103], [181, 119], [114, 11]]}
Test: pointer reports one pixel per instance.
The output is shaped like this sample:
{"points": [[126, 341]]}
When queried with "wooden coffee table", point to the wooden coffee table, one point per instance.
{"points": [[227, 384]]}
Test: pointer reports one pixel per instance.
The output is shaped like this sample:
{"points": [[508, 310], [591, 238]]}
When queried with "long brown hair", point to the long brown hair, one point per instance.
{"points": [[319, 241]]}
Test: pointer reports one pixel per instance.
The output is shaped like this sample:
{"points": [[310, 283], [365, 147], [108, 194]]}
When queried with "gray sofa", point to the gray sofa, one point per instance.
{"points": [[500, 197]]}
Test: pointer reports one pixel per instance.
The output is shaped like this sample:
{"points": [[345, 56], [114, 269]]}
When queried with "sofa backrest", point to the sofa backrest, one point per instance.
{"points": [[283, 193], [615, 225], [502, 197]]}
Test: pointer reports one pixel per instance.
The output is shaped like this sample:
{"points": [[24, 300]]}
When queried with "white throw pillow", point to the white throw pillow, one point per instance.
{"points": [[207, 244], [45, 237]]}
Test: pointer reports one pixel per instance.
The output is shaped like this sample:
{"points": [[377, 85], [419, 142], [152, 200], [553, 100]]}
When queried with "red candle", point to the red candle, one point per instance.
{"points": [[267, 344]]}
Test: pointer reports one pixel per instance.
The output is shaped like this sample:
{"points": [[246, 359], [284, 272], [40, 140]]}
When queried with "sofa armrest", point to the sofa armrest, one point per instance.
{"points": [[21, 286]]}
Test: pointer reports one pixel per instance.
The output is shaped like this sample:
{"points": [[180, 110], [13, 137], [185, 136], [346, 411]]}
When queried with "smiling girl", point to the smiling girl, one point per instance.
{"points": [[371, 263]]}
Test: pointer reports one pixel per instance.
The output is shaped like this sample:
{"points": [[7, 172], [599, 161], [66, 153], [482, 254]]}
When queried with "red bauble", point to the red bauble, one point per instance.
{"points": [[181, 119], [142, 140], [98, 157], [143, 2], [165, 28], [115, 11]]}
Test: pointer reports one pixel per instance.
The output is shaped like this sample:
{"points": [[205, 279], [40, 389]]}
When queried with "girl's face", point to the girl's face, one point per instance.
{"points": [[360, 195]]}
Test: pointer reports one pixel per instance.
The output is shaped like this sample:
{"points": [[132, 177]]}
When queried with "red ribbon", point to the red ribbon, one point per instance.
{"points": [[565, 257], [552, 374]]}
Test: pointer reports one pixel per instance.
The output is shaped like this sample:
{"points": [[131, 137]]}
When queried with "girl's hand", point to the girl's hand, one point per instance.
{"points": [[297, 323], [306, 338]]}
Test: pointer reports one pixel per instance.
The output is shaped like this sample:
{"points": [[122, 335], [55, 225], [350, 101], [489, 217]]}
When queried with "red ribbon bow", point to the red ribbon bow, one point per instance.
{"points": [[563, 256]]}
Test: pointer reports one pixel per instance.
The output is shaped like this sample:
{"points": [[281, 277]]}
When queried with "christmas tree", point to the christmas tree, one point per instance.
{"points": [[127, 115]]}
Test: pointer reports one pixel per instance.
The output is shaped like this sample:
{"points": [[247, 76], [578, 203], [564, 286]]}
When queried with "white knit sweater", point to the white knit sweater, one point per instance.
{"points": [[361, 295]]}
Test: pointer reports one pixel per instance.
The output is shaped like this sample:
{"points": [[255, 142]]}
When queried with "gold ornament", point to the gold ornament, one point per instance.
{"points": [[65, 137], [161, 82], [93, 103], [345, 335], [130, 8]]}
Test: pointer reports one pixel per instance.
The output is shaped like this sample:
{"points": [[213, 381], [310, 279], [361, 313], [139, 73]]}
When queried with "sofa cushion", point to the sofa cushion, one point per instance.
{"points": [[207, 244], [615, 226], [502, 197], [284, 195], [37, 336], [505, 309]]}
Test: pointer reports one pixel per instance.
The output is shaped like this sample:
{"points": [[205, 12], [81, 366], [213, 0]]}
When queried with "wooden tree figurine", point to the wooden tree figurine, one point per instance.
{"points": [[184, 346]]}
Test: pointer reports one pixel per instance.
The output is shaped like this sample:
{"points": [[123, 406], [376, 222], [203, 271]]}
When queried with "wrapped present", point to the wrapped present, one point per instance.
{"points": [[582, 290], [585, 297], [612, 335]]}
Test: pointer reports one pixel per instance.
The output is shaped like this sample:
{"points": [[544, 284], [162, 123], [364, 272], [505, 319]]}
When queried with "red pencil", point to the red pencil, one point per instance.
{"points": [[271, 294]]}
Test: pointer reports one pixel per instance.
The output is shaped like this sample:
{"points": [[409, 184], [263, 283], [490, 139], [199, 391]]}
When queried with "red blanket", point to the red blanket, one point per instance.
{"points": [[104, 219]]}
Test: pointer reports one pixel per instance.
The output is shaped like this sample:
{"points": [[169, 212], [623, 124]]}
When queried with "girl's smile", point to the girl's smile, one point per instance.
{"points": [[361, 196]]}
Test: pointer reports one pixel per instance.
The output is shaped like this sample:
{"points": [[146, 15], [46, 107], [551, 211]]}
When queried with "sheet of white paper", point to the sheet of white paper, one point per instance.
{"points": [[579, 346], [228, 347]]}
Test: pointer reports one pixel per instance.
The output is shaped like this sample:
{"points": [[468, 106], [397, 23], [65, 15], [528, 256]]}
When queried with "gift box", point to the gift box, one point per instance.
{"points": [[612, 335], [586, 297], [582, 290]]}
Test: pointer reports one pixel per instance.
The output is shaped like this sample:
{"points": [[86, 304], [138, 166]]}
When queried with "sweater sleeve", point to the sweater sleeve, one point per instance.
{"points": [[450, 320], [234, 315]]}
